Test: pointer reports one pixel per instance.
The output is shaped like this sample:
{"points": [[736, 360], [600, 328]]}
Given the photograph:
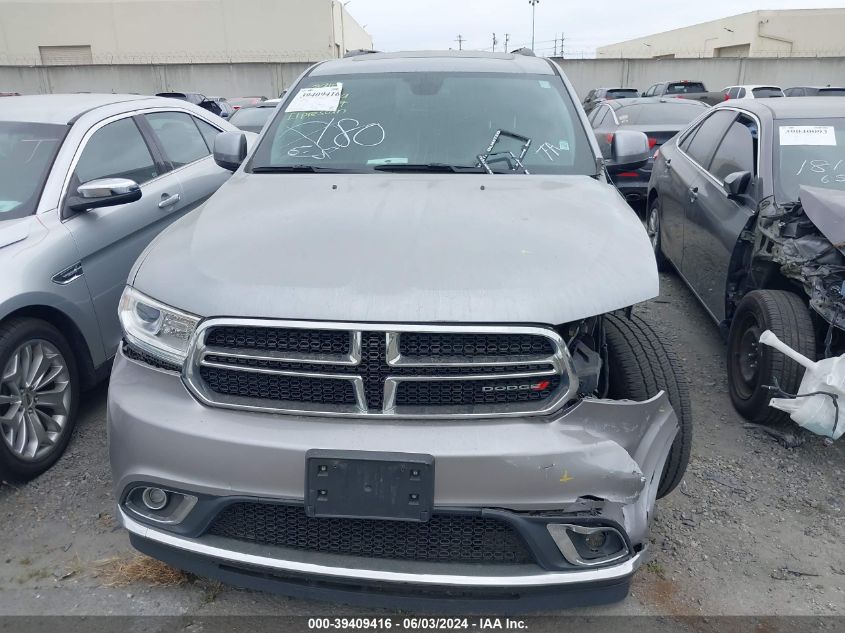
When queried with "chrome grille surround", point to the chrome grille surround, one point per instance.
{"points": [[559, 362]]}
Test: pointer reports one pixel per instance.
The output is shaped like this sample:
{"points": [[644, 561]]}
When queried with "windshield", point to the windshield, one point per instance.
{"points": [[251, 117], [660, 113], [808, 152], [832, 92], [27, 151], [422, 119], [685, 87]]}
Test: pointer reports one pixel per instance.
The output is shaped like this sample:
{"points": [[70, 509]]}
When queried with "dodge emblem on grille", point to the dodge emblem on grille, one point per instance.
{"points": [[537, 386]]}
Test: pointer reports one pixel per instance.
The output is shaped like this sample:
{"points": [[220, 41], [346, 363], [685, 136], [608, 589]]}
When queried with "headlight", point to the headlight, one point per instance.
{"points": [[155, 328]]}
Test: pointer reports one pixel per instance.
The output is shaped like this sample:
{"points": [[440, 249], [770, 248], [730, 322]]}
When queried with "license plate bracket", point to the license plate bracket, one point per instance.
{"points": [[369, 485]]}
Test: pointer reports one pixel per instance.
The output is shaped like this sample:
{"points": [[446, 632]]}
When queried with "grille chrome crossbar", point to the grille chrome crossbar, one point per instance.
{"points": [[375, 369]]}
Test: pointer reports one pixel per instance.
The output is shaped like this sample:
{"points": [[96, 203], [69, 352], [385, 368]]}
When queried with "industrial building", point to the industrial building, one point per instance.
{"points": [[787, 33], [73, 32]]}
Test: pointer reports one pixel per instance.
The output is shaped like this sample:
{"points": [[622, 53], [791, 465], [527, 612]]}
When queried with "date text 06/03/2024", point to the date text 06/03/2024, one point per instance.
{"points": [[417, 624]]}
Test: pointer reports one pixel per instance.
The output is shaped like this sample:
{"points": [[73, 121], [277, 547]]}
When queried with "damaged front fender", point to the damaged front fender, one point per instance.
{"points": [[806, 241]]}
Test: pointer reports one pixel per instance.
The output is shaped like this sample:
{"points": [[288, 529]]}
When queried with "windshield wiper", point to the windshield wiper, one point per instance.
{"points": [[426, 167], [295, 169]]}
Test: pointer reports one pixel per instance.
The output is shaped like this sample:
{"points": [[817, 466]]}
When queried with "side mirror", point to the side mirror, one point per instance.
{"points": [[627, 151], [104, 192], [230, 150], [736, 184]]}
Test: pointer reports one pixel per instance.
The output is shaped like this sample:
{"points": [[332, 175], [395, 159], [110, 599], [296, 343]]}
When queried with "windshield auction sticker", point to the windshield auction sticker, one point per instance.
{"points": [[324, 99], [807, 135]]}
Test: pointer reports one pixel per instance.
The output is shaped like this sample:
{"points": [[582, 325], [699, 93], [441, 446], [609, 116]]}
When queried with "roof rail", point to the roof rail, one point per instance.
{"points": [[360, 51], [524, 51]]}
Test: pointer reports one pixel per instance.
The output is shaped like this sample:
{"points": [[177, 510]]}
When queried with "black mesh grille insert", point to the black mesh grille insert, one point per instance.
{"points": [[280, 339], [147, 359], [279, 388], [442, 351], [354, 370], [457, 344], [472, 392], [446, 538]]}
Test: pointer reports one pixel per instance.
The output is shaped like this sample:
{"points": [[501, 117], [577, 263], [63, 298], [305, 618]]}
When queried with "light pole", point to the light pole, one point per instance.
{"points": [[533, 4]]}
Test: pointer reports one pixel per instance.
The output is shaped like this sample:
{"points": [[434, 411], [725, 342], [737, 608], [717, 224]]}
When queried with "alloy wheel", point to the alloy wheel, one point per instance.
{"points": [[35, 399], [653, 228]]}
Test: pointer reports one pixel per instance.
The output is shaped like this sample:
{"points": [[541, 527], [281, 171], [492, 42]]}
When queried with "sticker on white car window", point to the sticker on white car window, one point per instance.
{"points": [[807, 135], [325, 99], [545, 84]]}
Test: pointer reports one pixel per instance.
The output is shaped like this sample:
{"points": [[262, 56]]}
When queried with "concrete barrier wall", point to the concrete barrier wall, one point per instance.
{"points": [[270, 79], [229, 80]]}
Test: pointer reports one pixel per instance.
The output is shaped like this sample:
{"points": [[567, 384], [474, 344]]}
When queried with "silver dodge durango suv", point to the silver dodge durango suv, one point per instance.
{"points": [[395, 358]]}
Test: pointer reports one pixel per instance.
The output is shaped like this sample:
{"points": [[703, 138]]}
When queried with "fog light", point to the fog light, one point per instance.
{"points": [[595, 541], [154, 498], [158, 505], [588, 546]]}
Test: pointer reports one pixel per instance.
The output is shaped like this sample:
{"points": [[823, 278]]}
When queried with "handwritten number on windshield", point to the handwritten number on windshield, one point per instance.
{"points": [[823, 168], [322, 138]]}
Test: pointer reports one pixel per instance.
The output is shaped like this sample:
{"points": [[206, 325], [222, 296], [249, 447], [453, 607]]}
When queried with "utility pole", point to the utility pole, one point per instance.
{"points": [[562, 38], [507, 40], [555, 53], [495, 41], [460, 42], [533, 4]]}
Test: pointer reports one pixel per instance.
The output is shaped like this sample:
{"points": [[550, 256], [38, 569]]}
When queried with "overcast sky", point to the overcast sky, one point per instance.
{"points": [[586, 24]]}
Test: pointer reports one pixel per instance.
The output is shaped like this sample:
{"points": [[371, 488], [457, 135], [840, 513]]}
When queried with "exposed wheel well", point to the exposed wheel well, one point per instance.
{"points": [[68, 328], [652, 196]]}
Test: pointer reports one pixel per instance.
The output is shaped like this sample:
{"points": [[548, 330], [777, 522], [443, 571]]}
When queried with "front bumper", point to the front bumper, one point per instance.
{"points": [[598, 459]]}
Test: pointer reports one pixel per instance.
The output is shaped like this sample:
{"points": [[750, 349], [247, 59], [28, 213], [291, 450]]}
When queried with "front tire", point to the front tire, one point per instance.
{"points": [[752, 366], [39, 392], [641, 365]]}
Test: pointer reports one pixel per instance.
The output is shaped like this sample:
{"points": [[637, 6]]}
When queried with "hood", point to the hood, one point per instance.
{"points": [[405, 248], [826, 209], [13, 231]]}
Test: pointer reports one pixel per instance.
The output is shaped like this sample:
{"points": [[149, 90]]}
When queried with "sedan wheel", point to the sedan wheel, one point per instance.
{"points": [[35, 392], [39, 390], [652, 227]]}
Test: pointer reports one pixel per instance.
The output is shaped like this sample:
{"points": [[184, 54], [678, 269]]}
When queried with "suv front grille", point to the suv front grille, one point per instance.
{"points": [[453, 538], [407, 371]]}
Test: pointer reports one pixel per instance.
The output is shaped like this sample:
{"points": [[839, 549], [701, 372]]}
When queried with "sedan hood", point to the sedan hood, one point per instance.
{"points": [[404, 248]]}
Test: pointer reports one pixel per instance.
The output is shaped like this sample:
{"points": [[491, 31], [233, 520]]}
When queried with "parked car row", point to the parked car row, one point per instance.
{"points": [[696, 90]]}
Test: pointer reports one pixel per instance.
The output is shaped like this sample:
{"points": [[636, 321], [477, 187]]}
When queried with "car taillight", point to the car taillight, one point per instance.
{"points": [[629, 174], [610, 137], [727, 97], [651, 142]]}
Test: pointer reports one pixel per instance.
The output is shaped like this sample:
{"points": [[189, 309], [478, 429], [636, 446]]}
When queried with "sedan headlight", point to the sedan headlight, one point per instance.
{"points": [[155, 328]]}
